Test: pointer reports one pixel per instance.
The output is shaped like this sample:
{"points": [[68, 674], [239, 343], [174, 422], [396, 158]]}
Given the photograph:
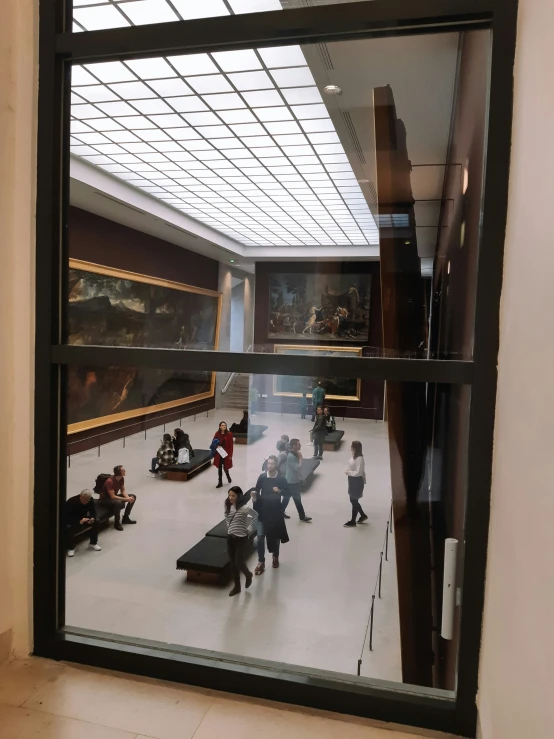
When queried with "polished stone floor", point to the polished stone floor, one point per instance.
{"points": [[53, 700], [312, 612]]}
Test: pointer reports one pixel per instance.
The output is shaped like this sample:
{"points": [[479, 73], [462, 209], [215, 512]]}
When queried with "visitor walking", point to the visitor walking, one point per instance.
{"points": [[356, 483], [318, 433], [223, 461], [266, 496], [238, 518], [294, 478]]}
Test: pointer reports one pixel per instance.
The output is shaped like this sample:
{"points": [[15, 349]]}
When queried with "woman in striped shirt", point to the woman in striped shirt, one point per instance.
{"points": [[239, 518]]}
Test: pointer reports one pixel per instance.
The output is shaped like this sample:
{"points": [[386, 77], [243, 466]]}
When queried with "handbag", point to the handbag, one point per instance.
{"points": [[183, 457]]}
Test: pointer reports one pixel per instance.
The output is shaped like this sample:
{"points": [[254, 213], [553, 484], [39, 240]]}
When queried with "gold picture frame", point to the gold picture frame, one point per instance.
{"points": [[92, 423], [310, 349]]}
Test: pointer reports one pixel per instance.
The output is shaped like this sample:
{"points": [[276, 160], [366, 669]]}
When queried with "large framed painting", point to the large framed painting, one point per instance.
{"points": [[336, 388], [309, 306], [111, 307]]}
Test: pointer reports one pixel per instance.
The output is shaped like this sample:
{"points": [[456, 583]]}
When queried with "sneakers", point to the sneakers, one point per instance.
{"points": [[363, 518], [307, 519], [260, 567], [126, 519], [96, 547], [71, 552], [350, 525], [235, 590]]}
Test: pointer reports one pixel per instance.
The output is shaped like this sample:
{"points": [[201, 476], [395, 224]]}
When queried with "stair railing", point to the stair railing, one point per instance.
{"points": [[232, 376]]}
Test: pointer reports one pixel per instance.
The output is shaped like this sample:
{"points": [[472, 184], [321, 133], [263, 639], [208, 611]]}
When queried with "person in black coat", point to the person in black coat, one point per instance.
{"points": [[79, 515], [182, 441], [267, 503], [318, 433]]}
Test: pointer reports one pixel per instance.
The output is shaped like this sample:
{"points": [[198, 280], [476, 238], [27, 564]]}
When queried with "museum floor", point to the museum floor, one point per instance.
{"points": [[311, 612]]}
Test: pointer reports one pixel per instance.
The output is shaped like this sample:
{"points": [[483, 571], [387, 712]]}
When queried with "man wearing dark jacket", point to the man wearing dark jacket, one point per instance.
{"points": [[266, 497], [80, 514]]}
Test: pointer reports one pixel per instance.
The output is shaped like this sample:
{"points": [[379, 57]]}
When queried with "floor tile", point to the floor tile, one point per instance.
{"points": [[19, 679], [158, 711], [23, 723]]}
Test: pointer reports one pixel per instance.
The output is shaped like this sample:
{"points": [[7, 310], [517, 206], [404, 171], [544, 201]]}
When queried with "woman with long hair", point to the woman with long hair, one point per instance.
{"points": [[223, 462], [165, 456], [181, 440], [356, 483], [238, 517], [318, 433]]}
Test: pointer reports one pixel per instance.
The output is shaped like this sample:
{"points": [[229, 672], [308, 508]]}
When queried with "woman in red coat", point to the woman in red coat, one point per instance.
{"points": [[225, 439]]}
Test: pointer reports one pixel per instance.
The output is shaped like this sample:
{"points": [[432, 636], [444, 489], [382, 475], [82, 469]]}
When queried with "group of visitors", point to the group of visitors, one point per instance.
{"points": [[175, 449]]}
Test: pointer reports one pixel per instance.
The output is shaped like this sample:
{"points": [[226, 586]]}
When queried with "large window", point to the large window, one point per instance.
{"points": [[327, 286]]}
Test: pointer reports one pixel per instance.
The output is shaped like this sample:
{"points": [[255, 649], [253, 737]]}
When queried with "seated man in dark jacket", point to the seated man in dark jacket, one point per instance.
{"points": [[267, 503], [80, 513]]}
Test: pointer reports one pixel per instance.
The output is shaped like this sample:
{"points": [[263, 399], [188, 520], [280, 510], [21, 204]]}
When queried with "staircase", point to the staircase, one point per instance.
{"points": [[238, 393]]}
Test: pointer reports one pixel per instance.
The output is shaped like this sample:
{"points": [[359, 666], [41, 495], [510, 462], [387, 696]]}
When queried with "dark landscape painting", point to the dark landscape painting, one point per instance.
{"points": [[114, 308], [336, 388], [313, 306]]}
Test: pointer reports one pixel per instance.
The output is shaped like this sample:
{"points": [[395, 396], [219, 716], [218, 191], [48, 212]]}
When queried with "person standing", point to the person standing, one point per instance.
{"points": [[318, 399], [294, 478], [318, 433], [80, 514], [356, 483], [281, 457], [114, 496], [238, 518], [223, 462], [266, 496]]}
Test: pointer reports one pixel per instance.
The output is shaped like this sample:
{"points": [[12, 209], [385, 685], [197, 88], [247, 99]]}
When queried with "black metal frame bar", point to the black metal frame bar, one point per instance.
{"points": [[307, 25]]}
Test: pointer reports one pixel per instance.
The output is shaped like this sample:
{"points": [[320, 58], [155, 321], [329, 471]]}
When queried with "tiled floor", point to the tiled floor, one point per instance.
{"points": [[312, 612], [50, 700]]}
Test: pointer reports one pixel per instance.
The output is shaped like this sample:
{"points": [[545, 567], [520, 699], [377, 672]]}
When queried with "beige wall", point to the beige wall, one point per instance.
{"points": [[17, 198], [517, 659]]}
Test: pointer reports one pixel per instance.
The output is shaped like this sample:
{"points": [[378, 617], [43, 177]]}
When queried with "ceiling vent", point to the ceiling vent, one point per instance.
{"points": [[325, 56], [354, 137], [119, 202]]}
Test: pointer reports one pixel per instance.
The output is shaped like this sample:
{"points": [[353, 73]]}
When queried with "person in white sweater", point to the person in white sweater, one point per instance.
{"points": [[356, 482], [239, 518]]}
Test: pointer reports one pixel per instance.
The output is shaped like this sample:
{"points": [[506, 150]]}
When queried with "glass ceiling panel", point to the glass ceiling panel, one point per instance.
{"points": [[239, 140]]}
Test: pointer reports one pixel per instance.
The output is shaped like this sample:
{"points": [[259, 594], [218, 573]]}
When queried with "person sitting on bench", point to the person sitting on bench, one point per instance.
{"points": [[114, 497], [80, 514], [242, 426], [166, 455], [330, 423], [181, 440]]}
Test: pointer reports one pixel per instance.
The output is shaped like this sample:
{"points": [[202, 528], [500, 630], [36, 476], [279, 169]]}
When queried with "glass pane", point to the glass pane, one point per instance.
{"points": [[92, 15], [347, 547], [281, 197]]}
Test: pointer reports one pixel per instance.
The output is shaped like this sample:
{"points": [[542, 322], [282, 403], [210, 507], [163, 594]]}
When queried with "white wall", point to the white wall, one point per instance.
{"points": [[516, 697], [18, 87]]}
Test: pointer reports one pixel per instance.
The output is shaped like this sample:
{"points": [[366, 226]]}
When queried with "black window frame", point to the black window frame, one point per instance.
{"points": [[58, 49]]}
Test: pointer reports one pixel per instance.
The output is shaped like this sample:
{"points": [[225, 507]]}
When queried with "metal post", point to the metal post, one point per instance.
{"points": [[371, 624], [387, 543], [391, 518], [98, 450], [195, 418], [69, 461], [164, 428], [359, 666], [145, 432], [124, 442], [380, 573]]}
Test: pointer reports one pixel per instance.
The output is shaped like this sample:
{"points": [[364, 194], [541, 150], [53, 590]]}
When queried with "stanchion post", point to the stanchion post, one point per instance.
{"points": [[359, 666], [387, 544], [69, 461], [98, 450], [390, 518], [124, 442], [371, 624], [380, 573]]}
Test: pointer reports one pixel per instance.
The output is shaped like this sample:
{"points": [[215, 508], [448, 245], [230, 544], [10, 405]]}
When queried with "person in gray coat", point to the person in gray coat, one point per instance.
{"points": [[293, 474]]}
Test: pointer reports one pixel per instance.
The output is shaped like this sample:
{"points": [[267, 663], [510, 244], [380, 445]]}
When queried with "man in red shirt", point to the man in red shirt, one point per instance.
{"points": [[113, 496]]}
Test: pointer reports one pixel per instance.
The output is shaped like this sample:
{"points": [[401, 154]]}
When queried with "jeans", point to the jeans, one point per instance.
{"points": [[71, 531], [154, 466], [295, 494], [117, 505], [356, 508], [260, 531], [318, 445], [236, 549]]}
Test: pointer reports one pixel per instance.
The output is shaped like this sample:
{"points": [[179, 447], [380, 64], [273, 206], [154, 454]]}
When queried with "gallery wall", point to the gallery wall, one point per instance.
{"points": [[371, 403], [101, 241]]}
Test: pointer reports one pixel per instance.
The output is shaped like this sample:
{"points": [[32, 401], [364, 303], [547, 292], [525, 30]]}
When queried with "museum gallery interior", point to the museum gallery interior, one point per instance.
{"points": [[257, 222]]}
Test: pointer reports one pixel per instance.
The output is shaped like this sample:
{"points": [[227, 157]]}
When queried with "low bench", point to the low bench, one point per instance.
{"points": [[254, 433], [332, 441], [308, 467], [181, 472]]}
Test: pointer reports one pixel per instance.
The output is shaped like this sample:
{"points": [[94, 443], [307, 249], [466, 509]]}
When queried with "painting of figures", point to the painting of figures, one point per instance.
{"points": [[326, 307], [109, 307]]}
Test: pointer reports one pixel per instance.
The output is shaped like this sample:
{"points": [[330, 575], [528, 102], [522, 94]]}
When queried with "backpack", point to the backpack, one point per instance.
{"points": [[100, 482], [183, 456]]}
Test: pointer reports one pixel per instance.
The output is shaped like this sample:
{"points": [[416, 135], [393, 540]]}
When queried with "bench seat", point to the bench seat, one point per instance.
{"points": [[333, 440], [308, 467], [208, 562], [254, 433], [202, 459]]}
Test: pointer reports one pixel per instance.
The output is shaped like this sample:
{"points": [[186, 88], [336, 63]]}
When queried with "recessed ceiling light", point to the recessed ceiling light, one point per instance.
{"points": [[363, 182], [332, 90]]}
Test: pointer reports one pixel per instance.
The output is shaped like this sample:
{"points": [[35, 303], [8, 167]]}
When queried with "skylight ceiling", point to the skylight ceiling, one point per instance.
{"points": [[239, 140]]}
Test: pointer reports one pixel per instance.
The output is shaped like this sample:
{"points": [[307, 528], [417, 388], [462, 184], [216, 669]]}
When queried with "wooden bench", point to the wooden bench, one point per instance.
{"points": [[181, 472], [254, 433], [332, 441]]}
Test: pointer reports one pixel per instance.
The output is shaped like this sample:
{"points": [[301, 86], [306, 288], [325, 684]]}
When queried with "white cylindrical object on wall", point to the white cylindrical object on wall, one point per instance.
{"points": [[449, 588]]}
